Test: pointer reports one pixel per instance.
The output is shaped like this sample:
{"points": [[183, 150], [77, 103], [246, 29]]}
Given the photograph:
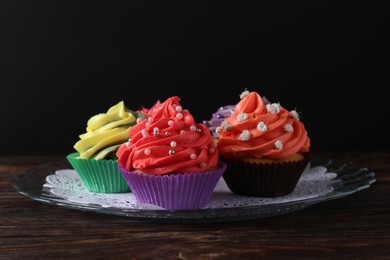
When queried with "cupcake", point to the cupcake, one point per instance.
{"points": [[265, 147], [170, 161], [95, 157]]}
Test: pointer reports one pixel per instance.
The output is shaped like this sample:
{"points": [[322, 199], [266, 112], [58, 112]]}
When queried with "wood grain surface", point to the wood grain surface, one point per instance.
{"points": [[354, 227]]}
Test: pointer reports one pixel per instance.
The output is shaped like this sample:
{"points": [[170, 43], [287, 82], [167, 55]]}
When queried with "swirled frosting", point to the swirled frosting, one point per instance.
{"points": [[220, 115], [106, 132], [260, 130], [147, 111], [217, 118], [169, 141]]}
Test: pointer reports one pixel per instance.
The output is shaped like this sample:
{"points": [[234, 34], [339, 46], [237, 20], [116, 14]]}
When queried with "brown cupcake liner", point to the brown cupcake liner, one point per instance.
{"points": [[263, 180]]}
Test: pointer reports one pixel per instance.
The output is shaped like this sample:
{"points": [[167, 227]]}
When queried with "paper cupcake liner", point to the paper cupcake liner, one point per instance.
{"points": [[180, 191], [101, 176], [263, 180]]}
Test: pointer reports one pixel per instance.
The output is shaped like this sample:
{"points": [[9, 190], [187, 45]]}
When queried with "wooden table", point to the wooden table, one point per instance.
{"points": [[353, 227]]}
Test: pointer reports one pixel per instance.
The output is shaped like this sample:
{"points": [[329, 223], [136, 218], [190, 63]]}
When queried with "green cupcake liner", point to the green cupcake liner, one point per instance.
{"points": [[101, 176]]}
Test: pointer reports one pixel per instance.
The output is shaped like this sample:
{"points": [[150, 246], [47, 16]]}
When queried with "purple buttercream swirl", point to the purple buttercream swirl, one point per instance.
{"points": [[218, 117]]}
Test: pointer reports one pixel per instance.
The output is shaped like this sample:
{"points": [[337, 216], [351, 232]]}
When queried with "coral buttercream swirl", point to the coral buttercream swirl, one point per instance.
{"points": [[260, 130]]}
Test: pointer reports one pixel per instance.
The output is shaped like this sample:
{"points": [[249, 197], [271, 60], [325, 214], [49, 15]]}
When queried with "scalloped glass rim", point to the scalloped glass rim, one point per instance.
{"points": [[352, 178]]}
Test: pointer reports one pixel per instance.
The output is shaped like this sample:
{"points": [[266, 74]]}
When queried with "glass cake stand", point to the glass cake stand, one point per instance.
{"points": [[326, 179]]}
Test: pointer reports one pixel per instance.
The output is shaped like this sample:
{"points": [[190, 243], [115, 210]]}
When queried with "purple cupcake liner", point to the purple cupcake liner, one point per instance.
{"points": [[180, 191]]}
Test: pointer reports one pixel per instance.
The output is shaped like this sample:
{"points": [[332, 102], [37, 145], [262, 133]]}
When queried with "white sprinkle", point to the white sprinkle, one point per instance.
{"points": [[262, 127], [156, 129], [171, 122], [218, 130], [295, 114], [173, 144], [148, 124], [193, 156], [193, 128], [179, 109], [244, 94], [150, 119], [278, 145], [128, 144], [202, 164], [242, 116], [139, 120], [179, 115], [146, 151], [211, 150], [145, 133], [245, 135], [288, 128], [171, 152], [182, 131], [273, 108]]}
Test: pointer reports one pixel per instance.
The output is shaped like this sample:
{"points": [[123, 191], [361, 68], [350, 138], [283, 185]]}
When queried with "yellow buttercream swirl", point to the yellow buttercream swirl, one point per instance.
{"points": [[106, 132]]}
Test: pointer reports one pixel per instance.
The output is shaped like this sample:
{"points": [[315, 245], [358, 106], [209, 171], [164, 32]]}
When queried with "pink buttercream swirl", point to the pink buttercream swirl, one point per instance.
{"points": [[168, 141], [260, 130]]}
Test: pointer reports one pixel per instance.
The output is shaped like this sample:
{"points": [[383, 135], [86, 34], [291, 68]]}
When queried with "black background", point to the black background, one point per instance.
{"points": [[62, 62]]}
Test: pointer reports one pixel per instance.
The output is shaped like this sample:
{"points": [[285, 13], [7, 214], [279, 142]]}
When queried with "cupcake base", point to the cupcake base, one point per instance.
{"points": [[263, 179], [101, 176], [178, 191]]}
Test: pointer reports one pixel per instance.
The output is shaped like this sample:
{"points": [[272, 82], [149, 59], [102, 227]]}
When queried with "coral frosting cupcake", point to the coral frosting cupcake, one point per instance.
{"points": [[95, 159], [265, 146], [170, 161]]}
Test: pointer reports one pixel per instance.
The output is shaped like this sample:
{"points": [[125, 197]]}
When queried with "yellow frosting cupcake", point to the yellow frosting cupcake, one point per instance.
{"points": [[95, 159]]}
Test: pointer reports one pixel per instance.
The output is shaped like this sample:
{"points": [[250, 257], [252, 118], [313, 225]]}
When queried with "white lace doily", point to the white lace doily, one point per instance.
{"points": [[66, 184]]}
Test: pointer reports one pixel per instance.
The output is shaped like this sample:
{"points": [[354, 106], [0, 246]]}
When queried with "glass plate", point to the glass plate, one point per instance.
{"points": [[346, 178]]}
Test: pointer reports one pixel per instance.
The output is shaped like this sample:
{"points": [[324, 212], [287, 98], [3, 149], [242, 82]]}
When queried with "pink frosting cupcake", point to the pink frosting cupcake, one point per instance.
{"points": [[170, 161]]}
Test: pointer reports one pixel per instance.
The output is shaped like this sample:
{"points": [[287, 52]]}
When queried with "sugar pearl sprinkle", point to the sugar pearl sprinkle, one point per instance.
{"points": [[146, 151], [202, 164], [171, 122], [139, 120], [128, 144], [179, 116], [145, 133], [245, 135], [242, 116], [173, 144], [211, 150], [171, 152], [178, 108], [278, 145], [273, 108], [193, 156], [193, 128], [156, 131], [262, 127], [288, 128]]}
